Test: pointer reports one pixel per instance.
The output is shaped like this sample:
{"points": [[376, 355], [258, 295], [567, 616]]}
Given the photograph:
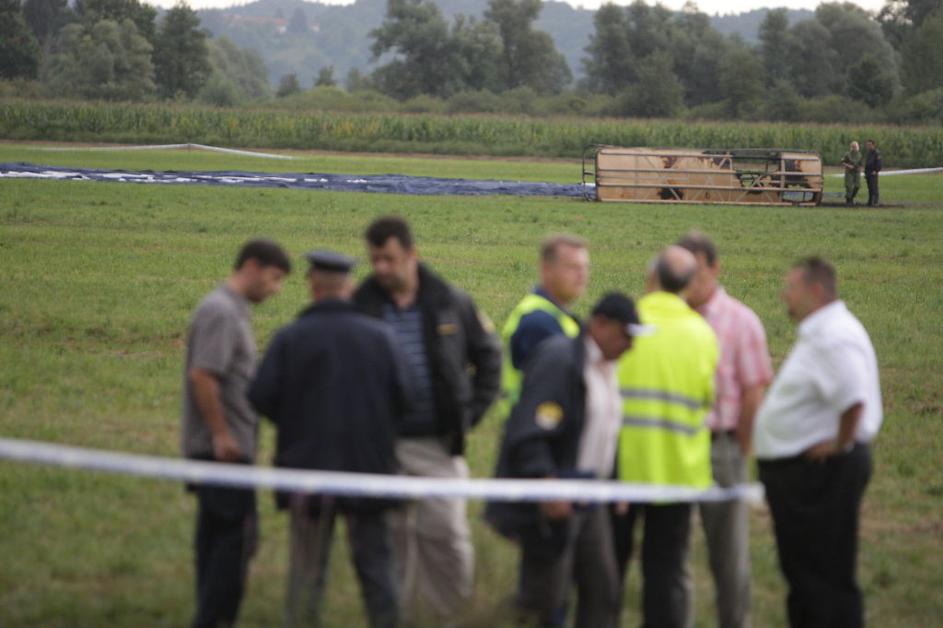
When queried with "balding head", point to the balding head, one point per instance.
{"points": [[672, 270]]}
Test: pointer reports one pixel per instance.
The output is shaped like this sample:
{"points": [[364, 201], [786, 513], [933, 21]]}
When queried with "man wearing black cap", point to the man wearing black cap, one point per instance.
{"points": [[454, 360], [332, 382], [566, 424]]}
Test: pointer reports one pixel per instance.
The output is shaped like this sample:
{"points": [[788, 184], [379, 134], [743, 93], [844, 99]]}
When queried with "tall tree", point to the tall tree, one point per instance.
{"points": [[609, 66], [658, 93], [853, 35], [105, 60], [871, 81], [741, 82], [416, 32], [529, 57], [923, 55], [238, 74], [46, 17], [143, 15], [181, 56], [774, 45], [19, 51], [325, 77], [812, 60]]}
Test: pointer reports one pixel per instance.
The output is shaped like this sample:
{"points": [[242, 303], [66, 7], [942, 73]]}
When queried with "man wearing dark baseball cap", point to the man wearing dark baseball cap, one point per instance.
{"points": [[566, 424]]}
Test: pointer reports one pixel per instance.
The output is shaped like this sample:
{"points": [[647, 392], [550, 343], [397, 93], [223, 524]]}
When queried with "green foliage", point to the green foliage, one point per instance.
{"points": [[19, 51], [143, 15], [419, 36], [105, 60], [923, 55], [528, 57], [288, 85], [657, 94], [181, 56], [922, 108], [478, 135], [783, 102], [871, 81], [238, 75], [774, 45], [325, 77], [741, 82], [46, 17]]}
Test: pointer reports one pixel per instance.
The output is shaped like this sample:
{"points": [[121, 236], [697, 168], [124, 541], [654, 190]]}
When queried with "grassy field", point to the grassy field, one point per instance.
{"points": [[99, 280]]}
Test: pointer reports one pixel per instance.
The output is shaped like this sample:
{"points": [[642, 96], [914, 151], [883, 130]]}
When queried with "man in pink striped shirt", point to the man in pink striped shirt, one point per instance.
{"points": [[743, 373]]}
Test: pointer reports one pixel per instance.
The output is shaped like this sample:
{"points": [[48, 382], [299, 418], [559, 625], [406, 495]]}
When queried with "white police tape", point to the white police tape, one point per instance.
{"points": [[361, 484], [188, 146]]}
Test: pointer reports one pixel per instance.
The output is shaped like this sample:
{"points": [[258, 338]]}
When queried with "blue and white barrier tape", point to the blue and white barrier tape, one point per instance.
{"points": [[361, 484]]}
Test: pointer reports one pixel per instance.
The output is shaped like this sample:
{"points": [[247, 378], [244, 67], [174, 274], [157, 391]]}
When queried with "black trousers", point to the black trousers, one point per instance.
{"points": [[815, 507], [584, 558], [872, 181], [225, 540], [310, 548], [665, 541]]}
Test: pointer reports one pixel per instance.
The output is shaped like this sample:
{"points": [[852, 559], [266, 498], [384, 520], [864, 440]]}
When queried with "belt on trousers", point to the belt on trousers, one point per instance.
{"points": [[723, 434]]}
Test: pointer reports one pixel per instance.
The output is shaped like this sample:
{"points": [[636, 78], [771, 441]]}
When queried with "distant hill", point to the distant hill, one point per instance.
{"points": [[293, 36]]}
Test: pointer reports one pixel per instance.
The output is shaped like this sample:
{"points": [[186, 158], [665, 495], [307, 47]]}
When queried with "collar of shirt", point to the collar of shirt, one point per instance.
{"points": [[594, 356], [539, 291], [709, 307], [662, 305], [240, 301], [820, 318]]}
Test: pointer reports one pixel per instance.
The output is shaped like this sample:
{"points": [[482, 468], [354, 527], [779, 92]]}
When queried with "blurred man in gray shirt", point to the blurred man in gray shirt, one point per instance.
{"points": [[219, 424]]}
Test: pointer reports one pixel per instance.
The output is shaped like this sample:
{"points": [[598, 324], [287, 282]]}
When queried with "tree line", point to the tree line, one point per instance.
{"points": [[843, 64], [119, 50]]}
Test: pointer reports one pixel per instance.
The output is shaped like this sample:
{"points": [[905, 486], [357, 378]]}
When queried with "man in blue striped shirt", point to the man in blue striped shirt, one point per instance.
{"points": [[455, 359]]}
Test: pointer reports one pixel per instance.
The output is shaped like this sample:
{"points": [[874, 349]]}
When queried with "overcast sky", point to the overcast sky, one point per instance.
{"points": [[707, 6]]}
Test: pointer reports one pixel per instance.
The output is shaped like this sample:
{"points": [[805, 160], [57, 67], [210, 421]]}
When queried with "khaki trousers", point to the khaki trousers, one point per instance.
{"points": [[727, 532], [431, 539]]}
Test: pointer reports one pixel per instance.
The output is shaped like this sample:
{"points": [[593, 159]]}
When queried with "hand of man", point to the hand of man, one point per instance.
{"points": [[556, 510], [820, 452], [225, 448]]}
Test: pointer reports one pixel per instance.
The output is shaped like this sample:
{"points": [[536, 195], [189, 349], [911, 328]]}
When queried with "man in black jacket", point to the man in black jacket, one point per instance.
{"points": [[332, 382], [566, 424], [872, 166], [455, 362]]}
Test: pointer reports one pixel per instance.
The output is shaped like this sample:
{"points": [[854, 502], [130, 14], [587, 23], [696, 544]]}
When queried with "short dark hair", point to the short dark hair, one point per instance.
{"points": [[698, 243], [266, 252], [817, 270], [670, 279], [550, 247], [872, 141], [386, 227]]}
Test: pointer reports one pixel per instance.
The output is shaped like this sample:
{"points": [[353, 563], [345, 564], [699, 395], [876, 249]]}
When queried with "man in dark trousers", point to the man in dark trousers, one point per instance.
{"points": [[218, 424], [566, 424], [812, 440], [332, 382], [454, 359], [872, 167]]}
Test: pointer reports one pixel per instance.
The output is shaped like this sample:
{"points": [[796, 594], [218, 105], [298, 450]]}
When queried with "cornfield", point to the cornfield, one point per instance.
{"points": [[458, 134]]}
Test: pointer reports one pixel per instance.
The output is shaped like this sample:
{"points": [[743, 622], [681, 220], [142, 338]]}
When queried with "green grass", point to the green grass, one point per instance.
{"points": [[99, 280]]}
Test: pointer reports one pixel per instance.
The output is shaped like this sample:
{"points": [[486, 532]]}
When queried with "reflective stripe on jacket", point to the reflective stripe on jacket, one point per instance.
{"points": [[667, 385]]}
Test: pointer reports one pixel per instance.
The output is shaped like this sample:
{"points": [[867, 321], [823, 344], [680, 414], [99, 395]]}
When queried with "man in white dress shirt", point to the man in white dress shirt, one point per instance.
{"points": [[811, 440]]}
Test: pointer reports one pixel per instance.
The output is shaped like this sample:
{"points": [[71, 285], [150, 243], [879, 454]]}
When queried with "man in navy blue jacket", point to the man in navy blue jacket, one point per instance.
{"points": [[565, 424], [333, 384]]}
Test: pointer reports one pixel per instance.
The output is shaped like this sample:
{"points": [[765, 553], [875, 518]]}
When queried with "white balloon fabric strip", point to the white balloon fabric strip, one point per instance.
{"points": [[361, 484]]}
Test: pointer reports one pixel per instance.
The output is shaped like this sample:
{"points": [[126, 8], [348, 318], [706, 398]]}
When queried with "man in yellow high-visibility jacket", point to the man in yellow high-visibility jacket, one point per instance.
{"points": [[542, 313], [667, 385]]}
